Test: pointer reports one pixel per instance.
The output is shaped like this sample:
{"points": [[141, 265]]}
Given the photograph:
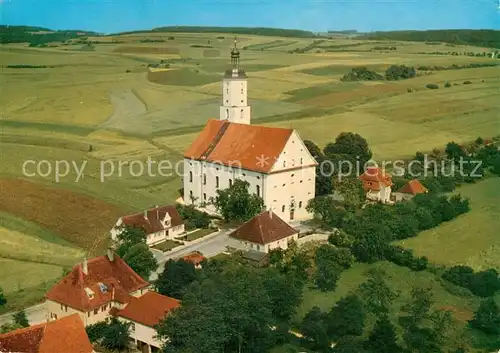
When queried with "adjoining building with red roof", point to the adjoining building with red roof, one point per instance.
{"points": [[65, 335], [144, 313], [159, 223], [274, 161], [264, 232], [377, 184], [94, 287], [410, 190]]}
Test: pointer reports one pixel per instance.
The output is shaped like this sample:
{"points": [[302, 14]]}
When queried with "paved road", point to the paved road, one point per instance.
{"points": [[36, 315], [211, 246]]}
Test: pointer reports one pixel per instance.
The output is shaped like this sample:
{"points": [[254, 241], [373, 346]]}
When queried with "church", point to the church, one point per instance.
{"points": [[274, 161]]}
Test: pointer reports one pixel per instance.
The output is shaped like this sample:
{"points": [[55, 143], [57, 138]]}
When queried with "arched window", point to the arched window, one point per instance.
{"points": [[190, 177], [227, 113], [258, 190], [283, 208], [204, 179], [300, 204], [191, 194], [230, 182], [204, 197], [241, 112], [301, 160], [216, 181]]}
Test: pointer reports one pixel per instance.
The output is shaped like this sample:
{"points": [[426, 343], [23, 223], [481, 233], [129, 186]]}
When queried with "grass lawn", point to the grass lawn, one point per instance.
{"points": [[199, 233], [167, 245], [399, 279], [471, 239]]}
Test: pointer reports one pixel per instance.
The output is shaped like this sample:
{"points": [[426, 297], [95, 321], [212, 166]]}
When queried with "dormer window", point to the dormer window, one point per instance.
{"points": [[90, 292], [103, 288]]}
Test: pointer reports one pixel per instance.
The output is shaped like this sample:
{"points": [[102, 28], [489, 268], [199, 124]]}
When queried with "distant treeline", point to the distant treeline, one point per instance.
{"points": [[37, 35], [457, 67], [262, 31], [25, 66], [481, 37]]}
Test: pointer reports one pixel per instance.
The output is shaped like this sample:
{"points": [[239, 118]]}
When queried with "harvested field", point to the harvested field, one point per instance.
{"points": [[146, 50], [359, 94], [182, 77], [80, 219]]}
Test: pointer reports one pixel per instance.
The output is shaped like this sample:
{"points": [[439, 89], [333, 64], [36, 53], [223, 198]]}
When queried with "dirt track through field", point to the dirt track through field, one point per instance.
{"points": [[127, 109]]}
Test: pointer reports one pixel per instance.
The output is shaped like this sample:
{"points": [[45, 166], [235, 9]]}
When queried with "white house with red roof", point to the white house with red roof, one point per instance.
{"points": [[159, 223], [93, 288], [264, 232], [144, 313], [377, 184], [65, 335], [274, 161], [410, 190]]}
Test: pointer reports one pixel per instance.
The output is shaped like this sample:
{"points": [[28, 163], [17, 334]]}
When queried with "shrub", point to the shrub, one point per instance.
{"points": [[467, 82], [399, 72], [192, 217], [483, 284], [96, 331], [361, 74], [404, 257], [447, 84], [432, 86]]}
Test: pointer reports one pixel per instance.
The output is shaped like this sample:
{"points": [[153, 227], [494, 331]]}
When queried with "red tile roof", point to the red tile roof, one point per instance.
{"points": [[152, 223], [59, 336], [374, 178], [149, 309], [239, 145], [263, 229], [116, 275], [195, 258], [413, 187]]}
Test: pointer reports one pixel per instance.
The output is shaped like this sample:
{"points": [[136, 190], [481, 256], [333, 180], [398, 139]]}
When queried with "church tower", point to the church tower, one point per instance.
{"points": [[234, 107]]}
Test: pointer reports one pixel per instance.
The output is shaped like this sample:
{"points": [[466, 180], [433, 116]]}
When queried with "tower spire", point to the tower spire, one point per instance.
{"points": [[235, 55]]}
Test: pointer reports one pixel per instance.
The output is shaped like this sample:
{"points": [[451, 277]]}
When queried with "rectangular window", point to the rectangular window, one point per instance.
{"points": [[190, 177], [132, 328], [204, 179], [96, 311]]}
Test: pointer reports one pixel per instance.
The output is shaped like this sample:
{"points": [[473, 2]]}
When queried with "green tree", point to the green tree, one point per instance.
{"points": [[418, 309], [487, 317], [175, 278], [349, 344], [140, 258], [8, 327], [283, 306], [116, 336], [132, 235], [236, 203], [20, 318], [313, 149], [314, 329], [375, 293], [454, 151], [95, 332], [347, 318], [228, 311], [352, 191], [3, 300], [350, 146], [330, 262], [327, 210], [383, 338]]}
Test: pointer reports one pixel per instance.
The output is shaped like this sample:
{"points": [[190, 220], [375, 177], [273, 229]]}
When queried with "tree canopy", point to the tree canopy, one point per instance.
{"points": [[236, 203]]}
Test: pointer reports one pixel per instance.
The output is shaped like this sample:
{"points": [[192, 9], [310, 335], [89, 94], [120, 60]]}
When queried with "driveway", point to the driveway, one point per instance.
{"points": [[35, 314], [209, 247]]}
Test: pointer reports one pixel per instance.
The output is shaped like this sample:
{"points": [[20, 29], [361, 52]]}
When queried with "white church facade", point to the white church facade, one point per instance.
{"points": [[274, 161]]}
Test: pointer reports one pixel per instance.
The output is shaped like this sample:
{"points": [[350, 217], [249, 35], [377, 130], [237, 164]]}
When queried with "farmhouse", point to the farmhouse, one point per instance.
{"points": [[144, 313], [377, 184], [263, 233], [274, 161], [409, 190], [59, 336], [158, 223], [92, 288]]}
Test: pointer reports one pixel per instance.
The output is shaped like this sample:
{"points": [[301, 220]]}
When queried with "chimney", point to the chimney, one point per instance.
{"points": [[111, 255], [85, 267], [271, 213]]}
